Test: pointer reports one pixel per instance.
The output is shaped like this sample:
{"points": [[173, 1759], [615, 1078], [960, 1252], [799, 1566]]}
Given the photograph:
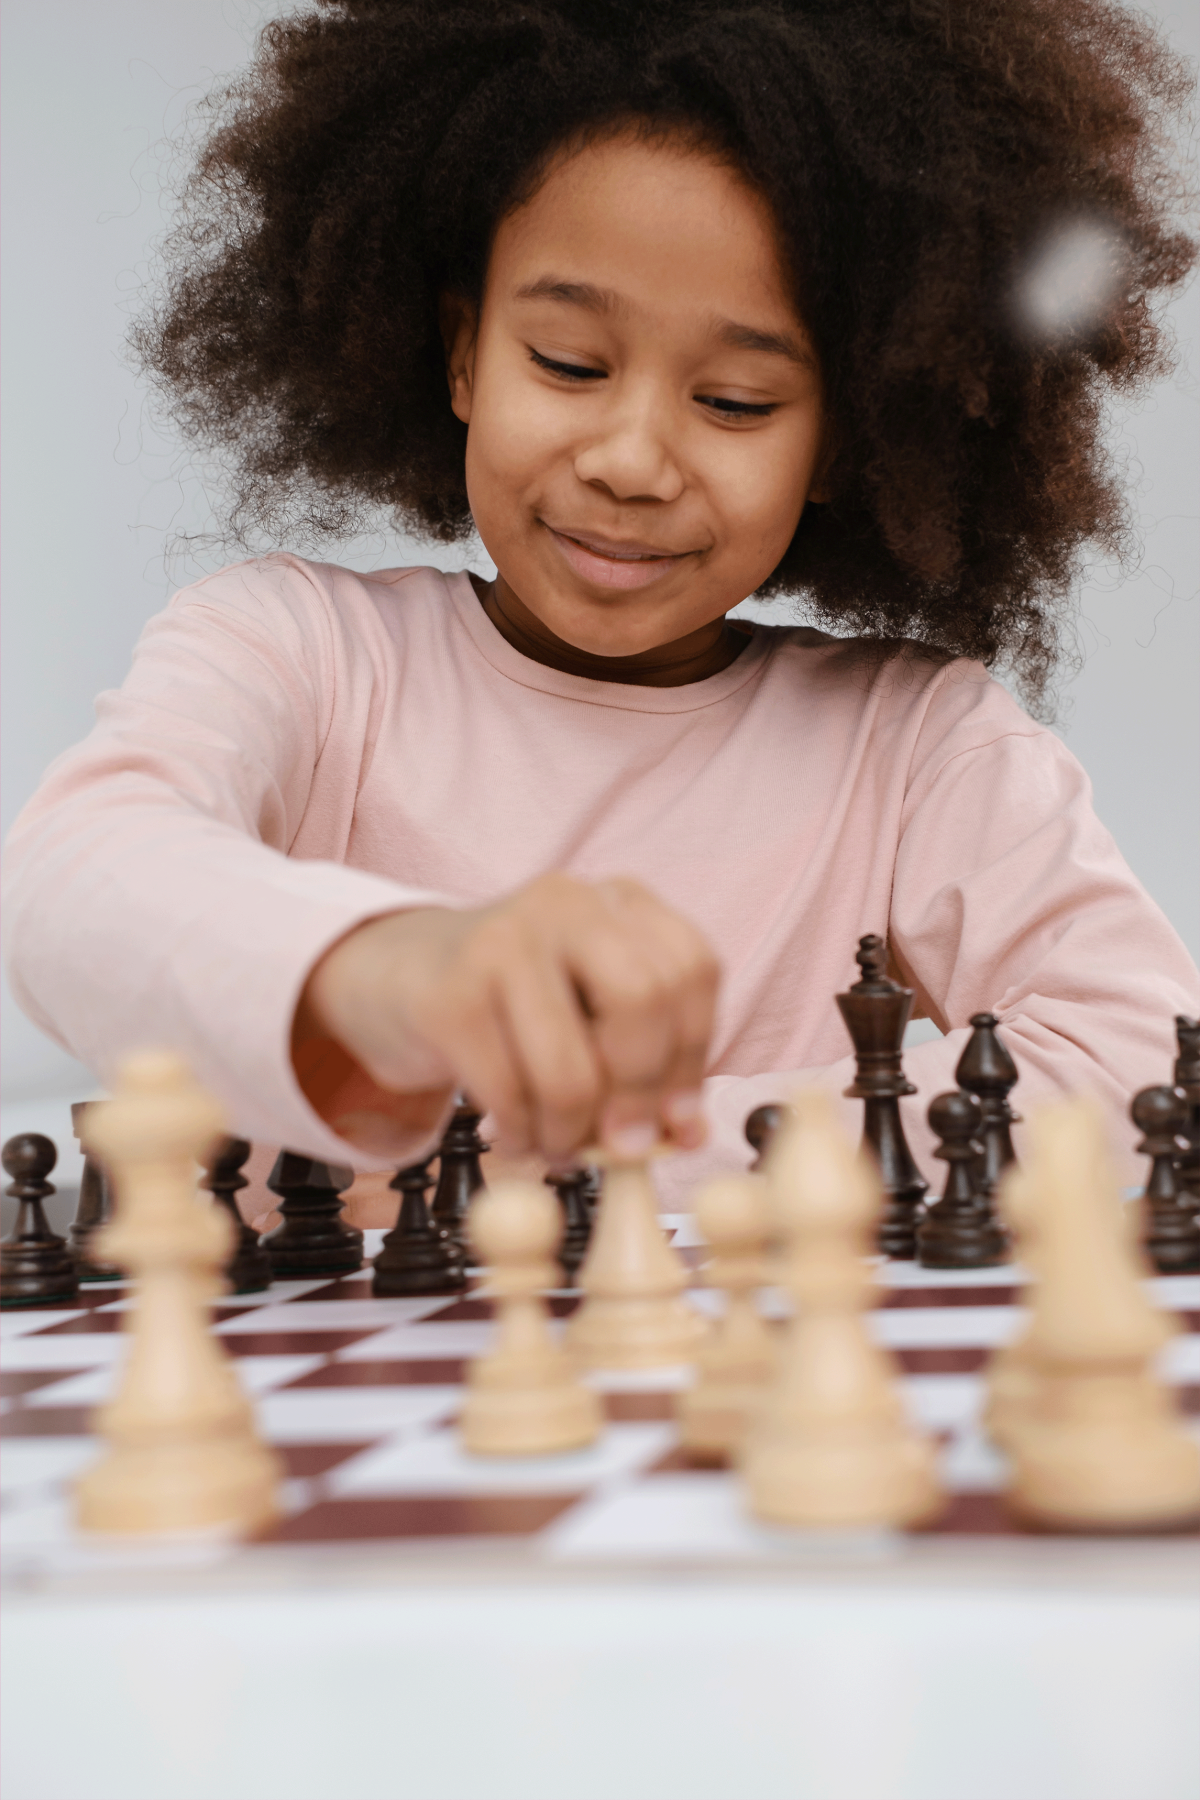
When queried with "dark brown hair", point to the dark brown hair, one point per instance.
{"points": [[914, 152]]}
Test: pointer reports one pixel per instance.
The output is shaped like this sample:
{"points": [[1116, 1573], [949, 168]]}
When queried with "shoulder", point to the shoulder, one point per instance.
{"points": [[919, 710], [267, 588], [898, 683]]}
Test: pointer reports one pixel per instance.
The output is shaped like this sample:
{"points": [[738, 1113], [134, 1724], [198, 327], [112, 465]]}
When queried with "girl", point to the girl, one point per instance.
{"points": [[674, 305]]}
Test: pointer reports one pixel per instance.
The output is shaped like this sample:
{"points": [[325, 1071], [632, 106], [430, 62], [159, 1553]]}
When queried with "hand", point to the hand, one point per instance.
{"points": [[573, 1013]]}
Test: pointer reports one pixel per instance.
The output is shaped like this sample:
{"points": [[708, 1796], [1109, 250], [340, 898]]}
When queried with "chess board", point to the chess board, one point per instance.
{"points": [[360, 1396]]}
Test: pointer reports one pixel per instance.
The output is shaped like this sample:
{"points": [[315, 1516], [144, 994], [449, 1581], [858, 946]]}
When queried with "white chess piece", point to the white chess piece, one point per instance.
{"points": [[633, 1314], [1012, 1381], [182, 1451], [735, 1362], [1099, 1443], [831, 1446], [524, 1398]]}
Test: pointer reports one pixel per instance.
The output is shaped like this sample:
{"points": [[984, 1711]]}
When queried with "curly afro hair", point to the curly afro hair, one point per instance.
{"points": [[914, 153]]}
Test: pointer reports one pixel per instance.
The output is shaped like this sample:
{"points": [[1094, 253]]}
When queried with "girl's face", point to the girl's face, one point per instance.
{"points": [[644, 403]]}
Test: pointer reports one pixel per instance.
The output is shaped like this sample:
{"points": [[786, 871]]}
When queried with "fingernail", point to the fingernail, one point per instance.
{"points": [[682, 1109], [632, 1142]]}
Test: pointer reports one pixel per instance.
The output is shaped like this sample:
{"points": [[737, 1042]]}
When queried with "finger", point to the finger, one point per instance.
{"points": [[688, 975], [553, 1043], [472, 1034]]}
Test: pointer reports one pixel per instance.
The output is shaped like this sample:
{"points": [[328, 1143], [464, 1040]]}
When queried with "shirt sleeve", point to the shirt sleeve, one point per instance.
{"points": [[1009, 896], [157, 893]]}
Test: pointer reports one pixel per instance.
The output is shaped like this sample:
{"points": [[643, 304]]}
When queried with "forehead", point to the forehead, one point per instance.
{"points": [[662, 225]]}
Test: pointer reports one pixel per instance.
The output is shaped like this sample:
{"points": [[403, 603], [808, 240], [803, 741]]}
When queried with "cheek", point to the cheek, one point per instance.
{"points": [[761, 494], [517, 435]]}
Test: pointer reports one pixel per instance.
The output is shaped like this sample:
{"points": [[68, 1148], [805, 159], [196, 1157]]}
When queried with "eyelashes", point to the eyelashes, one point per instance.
{"points": [[727, 409], [573, 371]]}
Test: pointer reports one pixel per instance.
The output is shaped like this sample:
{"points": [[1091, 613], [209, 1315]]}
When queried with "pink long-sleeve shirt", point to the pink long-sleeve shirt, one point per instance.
{"points": [[299, 748]]}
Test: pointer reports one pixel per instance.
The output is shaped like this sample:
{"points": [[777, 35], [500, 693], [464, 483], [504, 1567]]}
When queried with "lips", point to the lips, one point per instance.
{"points": [[614, 563]]}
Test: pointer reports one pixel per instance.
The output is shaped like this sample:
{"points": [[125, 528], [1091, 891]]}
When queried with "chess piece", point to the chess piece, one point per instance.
{"points": [[960, 1231], [312, 1238], [634, 1315], [93, 1211], [759, 1130], [248, 1270], [35, 1264], [1011, 1388], [831, 1446], [876, 1011], [181, 1451], [986, 1070], [736, 1360], [574, 1188], [524, 1398], [1171, 1227], [460, 1176], [416, 1259], [1102, 1447], [1187, 1077]]}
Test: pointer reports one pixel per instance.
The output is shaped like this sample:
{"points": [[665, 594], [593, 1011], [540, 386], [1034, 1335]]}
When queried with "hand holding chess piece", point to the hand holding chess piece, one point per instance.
{"points": [[831, 1446], [182, 1454], [524, 1398]]}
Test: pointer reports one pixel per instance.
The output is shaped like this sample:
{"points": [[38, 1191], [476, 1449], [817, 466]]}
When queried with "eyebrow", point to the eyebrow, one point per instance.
{"points": [[726, 331]]}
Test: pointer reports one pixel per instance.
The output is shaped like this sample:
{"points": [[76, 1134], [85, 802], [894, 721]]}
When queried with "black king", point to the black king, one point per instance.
{"points": [[876, 1011]]}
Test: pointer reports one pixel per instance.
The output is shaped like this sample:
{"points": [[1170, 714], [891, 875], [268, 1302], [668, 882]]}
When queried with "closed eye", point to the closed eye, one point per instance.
{"points": [[736, 409], [572, 371]]}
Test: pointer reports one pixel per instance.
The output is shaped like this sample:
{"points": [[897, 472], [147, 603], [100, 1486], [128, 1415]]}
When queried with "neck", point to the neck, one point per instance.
{"points": [[692, 658]]}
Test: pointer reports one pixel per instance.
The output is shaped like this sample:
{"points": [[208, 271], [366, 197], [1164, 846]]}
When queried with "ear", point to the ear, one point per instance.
{"points": [[459, 324]]}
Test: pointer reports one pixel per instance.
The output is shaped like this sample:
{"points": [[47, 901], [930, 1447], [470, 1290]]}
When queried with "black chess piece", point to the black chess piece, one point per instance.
{"points": [[35, 1263], [312, 1238], [759, 1131], [460, 1176], [93, 1211], [1187, 1077], [574, 1188], [248, 1270], [1171, 1228], [960, 1231], [876, 1011], [986, 1070], [416, 1258]]}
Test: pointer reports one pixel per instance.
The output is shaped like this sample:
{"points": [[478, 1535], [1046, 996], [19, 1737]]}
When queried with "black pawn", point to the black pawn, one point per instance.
{"points": [[876, 1011], [416, 1258], [574, 1189], [35, 1264], [1172, 1231], [759, 1131], [248, 1270], [1187, 1077], [960, 1231], [986, 1070], [460, 1176], [93, 1211], [312, 1238]]}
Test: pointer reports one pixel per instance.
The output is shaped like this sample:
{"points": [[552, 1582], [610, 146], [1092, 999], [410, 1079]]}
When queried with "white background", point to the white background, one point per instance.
{"points": [[93, 92]]}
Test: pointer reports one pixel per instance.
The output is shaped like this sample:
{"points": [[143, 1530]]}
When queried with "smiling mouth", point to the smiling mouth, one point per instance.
{"points": [[627, 551]]}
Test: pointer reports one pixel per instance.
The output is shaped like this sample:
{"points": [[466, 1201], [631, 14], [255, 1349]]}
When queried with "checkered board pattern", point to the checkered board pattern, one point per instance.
{"points": [[359, 1397]]}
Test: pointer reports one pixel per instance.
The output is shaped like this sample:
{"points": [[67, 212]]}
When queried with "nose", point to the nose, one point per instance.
{"points": [[630, 455]]}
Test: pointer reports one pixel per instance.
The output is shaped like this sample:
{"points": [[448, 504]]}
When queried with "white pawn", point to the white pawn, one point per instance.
{"points": [[1012, 1379], [1099, 1444], [633, 1314], [736, 1361], [525, 1398], [831, 1446], [182, 1451]]}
